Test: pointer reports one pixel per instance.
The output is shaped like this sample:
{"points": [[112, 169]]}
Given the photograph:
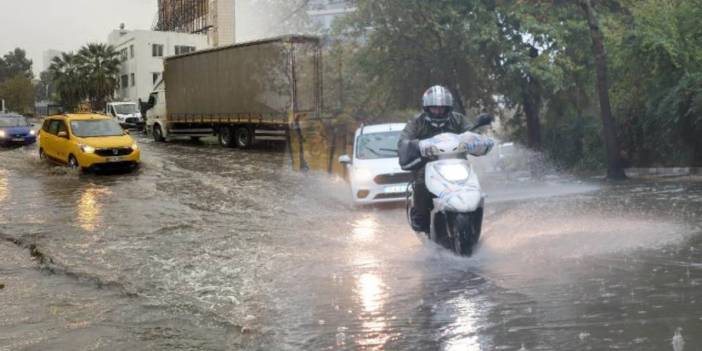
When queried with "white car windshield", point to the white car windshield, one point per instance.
{"points": [[126, 109], [377, 145], [95, 128]]}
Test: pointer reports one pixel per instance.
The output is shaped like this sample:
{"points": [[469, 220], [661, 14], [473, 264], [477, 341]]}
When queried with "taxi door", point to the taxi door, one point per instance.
{"points": [[48, 138], [62, 143]]}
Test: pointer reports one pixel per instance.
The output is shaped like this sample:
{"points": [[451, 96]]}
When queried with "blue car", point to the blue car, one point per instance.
{"points": [[15, 130]]}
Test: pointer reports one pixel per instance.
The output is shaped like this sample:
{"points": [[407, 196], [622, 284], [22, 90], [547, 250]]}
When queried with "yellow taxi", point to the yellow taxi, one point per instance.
{"points": [[87, 141]]}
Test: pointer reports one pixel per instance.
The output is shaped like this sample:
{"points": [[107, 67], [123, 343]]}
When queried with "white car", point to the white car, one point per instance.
{"points": [[374, 168]]}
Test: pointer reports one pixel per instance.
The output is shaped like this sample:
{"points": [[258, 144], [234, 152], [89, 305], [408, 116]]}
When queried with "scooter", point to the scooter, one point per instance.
{"points": [[457, 217]]}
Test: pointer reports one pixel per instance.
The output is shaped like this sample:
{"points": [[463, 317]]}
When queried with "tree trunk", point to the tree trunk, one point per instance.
{"points": [[615, 170], [531, 110]]}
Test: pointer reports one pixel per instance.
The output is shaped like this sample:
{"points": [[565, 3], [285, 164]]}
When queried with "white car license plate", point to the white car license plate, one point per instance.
{"points": [[17, 139], [114, 159], [395, 189]]}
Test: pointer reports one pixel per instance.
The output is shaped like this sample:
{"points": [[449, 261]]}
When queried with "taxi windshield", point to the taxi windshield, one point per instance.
{"points": [[96, 128]]}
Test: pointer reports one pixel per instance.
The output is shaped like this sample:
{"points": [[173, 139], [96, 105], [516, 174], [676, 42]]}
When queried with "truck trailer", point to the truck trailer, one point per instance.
{"points": [[240, 93]]}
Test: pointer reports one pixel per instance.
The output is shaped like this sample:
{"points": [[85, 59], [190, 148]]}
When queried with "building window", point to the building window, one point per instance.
{"points": [[123, 54], [131, 51], [179, 49], [125, 81], [131, 79], [155, 77], [156, 50]]}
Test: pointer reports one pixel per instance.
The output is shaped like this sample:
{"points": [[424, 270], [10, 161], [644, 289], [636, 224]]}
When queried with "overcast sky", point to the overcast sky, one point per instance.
{"points": [[65, 25]]}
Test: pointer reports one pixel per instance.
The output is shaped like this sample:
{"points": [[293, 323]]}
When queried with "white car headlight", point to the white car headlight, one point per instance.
{"points": [[87, 149], [362, 175], [454, 172]]}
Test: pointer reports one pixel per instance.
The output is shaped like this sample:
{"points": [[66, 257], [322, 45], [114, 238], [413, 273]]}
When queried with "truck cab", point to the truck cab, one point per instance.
{"points": [[156, 121], [126, 113]]}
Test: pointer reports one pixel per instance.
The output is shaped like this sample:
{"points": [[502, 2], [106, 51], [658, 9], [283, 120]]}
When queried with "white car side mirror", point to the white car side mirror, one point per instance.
{"points": [[344, 159]]}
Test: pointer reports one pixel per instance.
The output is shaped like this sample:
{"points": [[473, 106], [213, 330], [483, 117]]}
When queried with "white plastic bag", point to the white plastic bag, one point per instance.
{"points": [[476, 144]]}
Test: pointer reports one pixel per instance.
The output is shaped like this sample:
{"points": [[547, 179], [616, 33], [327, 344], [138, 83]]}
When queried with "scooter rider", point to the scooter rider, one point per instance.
{"points": [[438, 117]]}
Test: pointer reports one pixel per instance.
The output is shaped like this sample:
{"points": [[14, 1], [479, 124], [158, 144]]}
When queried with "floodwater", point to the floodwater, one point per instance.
{"points": [[206, 248]]}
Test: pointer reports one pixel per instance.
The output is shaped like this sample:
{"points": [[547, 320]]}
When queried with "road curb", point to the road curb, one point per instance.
{"points": [[663, 171]]}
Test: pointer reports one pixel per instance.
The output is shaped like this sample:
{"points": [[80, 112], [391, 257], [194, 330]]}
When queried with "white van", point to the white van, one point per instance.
{"points": [[126, 113]]}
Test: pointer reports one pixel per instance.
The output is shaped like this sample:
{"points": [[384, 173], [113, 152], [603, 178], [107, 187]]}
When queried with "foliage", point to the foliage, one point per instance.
{"points": [[15, 63], [18, 93], [535, 57], [89, 74], [411, 45], [68, 80], [99, 67], [657, 60]]}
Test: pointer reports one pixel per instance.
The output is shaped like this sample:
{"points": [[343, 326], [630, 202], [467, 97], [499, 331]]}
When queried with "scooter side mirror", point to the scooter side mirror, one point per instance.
{"points": [[344, 159], [483, 120]]}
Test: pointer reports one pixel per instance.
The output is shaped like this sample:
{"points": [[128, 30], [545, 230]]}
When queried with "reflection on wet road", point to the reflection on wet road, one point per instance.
{"points": [[206, 248]]}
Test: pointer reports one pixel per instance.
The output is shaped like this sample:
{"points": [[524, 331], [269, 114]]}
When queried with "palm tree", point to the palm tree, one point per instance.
{"points": [[67, 80], [99, 66]]}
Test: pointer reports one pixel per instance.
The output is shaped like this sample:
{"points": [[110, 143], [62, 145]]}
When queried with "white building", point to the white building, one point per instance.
{"points": [[221, 16], [48, 56], [324, 12], [142, 53]]}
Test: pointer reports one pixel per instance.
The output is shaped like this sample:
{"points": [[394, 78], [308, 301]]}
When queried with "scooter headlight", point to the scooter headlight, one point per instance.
{"points": [[454, 172]]}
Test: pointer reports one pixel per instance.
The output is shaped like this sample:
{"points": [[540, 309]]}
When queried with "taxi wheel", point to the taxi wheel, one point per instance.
{"points": [[73, 162], [42, 155]]}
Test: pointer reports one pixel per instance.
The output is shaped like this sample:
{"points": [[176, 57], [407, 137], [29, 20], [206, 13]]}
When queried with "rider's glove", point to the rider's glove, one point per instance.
{"points": [[427, 149], [476, 144]]}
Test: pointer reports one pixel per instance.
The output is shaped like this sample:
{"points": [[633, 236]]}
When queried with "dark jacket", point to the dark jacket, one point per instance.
{"points": [[418, 129]]}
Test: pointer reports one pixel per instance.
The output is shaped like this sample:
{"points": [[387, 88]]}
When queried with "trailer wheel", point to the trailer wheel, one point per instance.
{"points": [[225, 137], [158, 133], [243, 137]]}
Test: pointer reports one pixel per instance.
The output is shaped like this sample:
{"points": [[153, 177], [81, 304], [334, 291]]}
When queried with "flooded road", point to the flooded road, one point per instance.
{"points": [[206, 248]]}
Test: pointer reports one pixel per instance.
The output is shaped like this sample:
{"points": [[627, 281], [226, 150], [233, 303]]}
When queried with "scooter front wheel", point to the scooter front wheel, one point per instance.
{"points": [[465, 231]]}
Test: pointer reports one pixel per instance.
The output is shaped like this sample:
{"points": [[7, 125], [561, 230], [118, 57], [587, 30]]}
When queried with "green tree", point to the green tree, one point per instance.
{"points": [[411, 45], [15, 63], [657, 90], [98, 65], [615, 166], [18, 93], [67, 80]]}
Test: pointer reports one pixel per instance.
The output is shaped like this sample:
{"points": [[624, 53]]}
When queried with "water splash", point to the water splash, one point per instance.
{"points": [[678, 340]]}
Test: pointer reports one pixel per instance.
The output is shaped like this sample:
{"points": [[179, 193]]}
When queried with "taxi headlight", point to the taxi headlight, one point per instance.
{"points": [[87, 149], [135, 147], [454, 172]]}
